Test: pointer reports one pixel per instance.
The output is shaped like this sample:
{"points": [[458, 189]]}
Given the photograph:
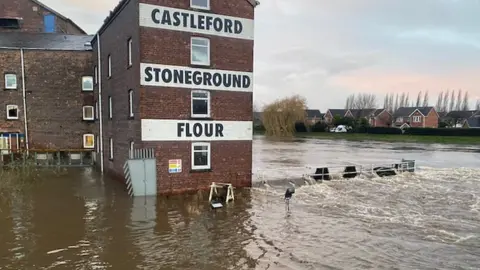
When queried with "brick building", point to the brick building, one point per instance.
{"points": [[178, 78]]}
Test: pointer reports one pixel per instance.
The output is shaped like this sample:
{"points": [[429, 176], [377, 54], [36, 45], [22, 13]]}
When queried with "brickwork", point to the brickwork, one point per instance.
{"points": [[384, 119], [54, 96], [32, 15], [431, 120]]}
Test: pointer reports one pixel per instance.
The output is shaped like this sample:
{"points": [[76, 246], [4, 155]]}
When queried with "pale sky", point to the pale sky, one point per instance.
{"points": [[326, 50]]}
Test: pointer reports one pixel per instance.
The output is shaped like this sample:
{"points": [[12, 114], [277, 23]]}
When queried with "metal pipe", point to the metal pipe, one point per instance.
{"points": [[24, 92], [100, 101]]}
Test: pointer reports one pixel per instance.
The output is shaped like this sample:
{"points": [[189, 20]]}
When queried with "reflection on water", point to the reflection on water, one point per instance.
{"points": [[428, 220]]}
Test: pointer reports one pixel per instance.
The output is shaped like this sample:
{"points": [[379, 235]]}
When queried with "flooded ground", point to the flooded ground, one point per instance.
{"points": [[428, 220]]}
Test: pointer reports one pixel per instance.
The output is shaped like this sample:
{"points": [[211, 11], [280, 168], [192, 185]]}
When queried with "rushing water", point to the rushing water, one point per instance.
{"points": [[426, 220]]}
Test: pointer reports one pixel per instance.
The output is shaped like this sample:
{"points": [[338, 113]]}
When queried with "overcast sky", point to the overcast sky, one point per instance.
{"points": [[326, 50]]}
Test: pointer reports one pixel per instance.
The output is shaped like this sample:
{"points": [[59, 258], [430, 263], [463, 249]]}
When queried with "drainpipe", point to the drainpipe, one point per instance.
{"points": [[24, 93], [100, 107]]}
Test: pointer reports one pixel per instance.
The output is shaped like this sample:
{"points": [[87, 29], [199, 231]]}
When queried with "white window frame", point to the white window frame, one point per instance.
{"points": [[417, 119], [130, 103], [208, 106], [131, 147], [84, 114], [84, 78], [200, 7], [11, 106], [15, 85], [85, 136], [110, 156], [109, 66], [95, 74], [191, 51], [209, 151], [129, 52], [96, 110], [110, 108]]}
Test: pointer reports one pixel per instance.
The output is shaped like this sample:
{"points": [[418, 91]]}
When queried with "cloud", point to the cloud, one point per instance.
{"points": [[326, 50]]}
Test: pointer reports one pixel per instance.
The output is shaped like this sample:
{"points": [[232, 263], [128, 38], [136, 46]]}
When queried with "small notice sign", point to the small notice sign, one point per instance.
{"points": [[175, 166]]}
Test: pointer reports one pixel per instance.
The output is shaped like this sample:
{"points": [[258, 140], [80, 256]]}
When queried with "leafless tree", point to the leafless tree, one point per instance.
{"points": [[396, 105], [407, 100], [419, 98], [465, 106], [364, 101], [477, 106], [349, 102], [458, 102], [426, 100], [446, 100], [439, 104], [390, 103], [452, 101], [385, 101]]}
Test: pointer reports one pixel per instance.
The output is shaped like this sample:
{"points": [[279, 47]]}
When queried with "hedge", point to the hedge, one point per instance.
{"points": [[444, 131], [383, 130]]}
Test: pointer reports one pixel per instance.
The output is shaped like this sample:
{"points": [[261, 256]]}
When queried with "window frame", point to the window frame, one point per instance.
{"points": [[85, 140], [129, 52], [83, 81], [110, 150], [110, 107], [416, 117], [109, 71], [208, 52], [131, 114], [15, 86], [209, 151], [192, 5], [7, 107], [192, 114], [83, 113]]}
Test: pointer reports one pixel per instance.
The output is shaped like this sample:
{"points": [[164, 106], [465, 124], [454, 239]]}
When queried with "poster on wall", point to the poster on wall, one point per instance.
{"points": [[175, 166]]}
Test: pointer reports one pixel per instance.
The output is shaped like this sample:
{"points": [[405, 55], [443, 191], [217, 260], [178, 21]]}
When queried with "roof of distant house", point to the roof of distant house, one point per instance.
{"points": [[357, 113], [473, 122], [340, 112], [313, 113], [406, 111], [45, 41], [58, 14], [461, 114]]}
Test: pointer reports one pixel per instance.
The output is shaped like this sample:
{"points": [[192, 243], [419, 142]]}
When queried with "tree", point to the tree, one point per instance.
{"points": [[419, 97], [439, 104], [465, 106], [446, 98], [452, 101], [349, 103], [477, 106], [458, 104], [280, 117], [426, 100], [395, 107], [361, 101]]}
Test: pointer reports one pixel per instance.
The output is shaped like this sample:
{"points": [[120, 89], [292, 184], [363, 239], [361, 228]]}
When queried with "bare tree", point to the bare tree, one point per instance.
{"points": [[385, 102], [452, 101], [349, 102], [390, 103], [477, 106], [361, 101], [458, 104], [395, 106], [407, 100], [426, 100], [419, 98], [402, 100], [439, 104], [465, 106], [446, 99]]}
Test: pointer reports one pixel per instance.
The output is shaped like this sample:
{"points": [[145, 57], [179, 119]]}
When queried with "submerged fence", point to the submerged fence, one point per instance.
{"points": [[47, 157]]}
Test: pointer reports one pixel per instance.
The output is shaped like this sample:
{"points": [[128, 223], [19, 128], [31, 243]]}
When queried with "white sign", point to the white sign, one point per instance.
{"points": [[186, 77], [195, 22], [191, 130]]}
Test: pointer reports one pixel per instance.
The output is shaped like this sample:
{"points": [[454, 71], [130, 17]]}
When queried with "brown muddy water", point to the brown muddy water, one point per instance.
{"points": [[426, 220]]}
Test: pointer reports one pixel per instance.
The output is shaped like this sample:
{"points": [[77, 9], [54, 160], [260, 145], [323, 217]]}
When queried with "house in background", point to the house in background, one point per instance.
{"points": [[472, 122], [426, 117], [458, 118], [313, 116], [331, 113]]}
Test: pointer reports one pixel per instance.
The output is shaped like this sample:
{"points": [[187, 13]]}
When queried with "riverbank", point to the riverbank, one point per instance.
{"points": [[463, 140]]}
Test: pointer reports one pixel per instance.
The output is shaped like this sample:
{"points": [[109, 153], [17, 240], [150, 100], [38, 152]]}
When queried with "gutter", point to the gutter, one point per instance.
{"points": [[100, 106], [24, 96]]}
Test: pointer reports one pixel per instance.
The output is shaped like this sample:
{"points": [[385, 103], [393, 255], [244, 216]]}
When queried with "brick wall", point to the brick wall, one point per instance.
{"points": [[54, 96], [431, 121], [384, 119], [33, 19]]}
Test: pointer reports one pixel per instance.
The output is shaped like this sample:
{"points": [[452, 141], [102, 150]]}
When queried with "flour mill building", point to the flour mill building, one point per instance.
{"points": [[173, 76]]}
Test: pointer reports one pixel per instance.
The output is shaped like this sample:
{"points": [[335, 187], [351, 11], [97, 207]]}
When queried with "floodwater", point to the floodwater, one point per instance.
{"points": [[426, 220]]}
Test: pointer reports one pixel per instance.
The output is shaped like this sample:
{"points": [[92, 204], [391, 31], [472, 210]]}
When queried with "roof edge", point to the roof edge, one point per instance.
{"points": [[110, 18], [59, 15]]}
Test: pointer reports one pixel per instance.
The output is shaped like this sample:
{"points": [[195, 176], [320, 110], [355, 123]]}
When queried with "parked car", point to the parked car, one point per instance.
{"points": [[340, 129]]}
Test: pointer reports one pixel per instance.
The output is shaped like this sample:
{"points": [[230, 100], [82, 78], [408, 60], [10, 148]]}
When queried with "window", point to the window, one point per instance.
{"points": [[111, 149], [10, 23], [200, 104], [88, 113], [110, 108], [10, 81], [96, 109], [95, 73], [130, 103], [416, 119], [12, 112], [200, 156], [399, 119], [129, 51], [201, 4], [87, 83], [88, 141], [200, 51], [131, 149], [109, 66]]}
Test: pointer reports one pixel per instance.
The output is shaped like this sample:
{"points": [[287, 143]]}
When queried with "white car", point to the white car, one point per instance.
{"points": [[339, 129]]}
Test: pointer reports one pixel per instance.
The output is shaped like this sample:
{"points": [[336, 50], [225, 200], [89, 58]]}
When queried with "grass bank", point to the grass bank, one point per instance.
{"points": [[463, 140]]}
